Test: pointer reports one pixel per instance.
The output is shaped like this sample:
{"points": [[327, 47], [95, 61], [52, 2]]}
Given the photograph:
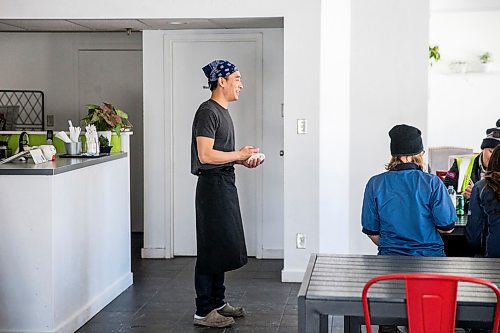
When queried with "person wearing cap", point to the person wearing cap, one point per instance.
{"points": [[483, 227], [219, 230], [468, 170], [405, 208]]}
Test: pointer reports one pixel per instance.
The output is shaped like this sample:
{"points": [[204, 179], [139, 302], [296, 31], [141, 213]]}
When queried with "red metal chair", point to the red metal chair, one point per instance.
{"points": [[431, 301]]}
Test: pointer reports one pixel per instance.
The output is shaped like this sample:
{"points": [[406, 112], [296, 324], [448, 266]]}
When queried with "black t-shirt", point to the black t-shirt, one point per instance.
{"points": [[211, 121]]}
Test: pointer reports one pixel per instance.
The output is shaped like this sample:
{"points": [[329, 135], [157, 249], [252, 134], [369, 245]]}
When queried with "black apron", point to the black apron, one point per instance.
{"points": [[219, 229]]}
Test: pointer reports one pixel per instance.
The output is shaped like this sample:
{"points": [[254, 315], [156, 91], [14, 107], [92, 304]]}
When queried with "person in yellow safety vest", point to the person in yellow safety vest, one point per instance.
{"points": [[469, 169]]}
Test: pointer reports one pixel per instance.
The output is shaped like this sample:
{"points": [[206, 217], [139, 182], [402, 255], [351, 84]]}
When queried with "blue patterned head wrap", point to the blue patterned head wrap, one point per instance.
{"points": [[219, 68]]}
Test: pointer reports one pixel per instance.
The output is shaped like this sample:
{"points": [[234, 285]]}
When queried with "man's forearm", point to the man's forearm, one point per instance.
{"points": [[212, 156]]}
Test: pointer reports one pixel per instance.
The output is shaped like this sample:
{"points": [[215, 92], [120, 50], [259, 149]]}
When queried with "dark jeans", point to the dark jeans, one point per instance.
{"points": [[209, 291]]}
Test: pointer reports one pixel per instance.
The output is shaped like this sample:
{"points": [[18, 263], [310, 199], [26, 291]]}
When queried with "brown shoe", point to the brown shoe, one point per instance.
{"points": [[231, 311], [214, 319]]}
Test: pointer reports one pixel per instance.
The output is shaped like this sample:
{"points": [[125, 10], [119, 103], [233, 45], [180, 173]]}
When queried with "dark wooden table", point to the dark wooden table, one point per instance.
{"points": [[333, 284]]}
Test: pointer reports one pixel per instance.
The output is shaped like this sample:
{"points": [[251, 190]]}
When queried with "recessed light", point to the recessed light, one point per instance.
{"points": [[177, 22]]}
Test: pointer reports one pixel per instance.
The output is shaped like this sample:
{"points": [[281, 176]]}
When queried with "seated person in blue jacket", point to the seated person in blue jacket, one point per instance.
{"points": [[465, 172], [405, 208], [483, 227]]}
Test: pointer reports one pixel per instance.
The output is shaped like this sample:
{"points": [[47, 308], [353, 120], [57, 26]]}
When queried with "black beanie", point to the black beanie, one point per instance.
{"points": [[405, 140], [490, 142], [494, 129]]}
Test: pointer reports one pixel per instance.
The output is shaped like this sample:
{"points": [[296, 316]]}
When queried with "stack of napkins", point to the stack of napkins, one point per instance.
{"points": [[74, 132], [92, 140]]}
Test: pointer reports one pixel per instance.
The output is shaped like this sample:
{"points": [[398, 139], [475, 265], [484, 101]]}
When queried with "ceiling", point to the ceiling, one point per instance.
{"points": [[137, 24]]}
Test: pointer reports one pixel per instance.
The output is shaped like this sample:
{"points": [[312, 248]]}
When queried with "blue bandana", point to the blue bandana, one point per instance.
{"points": [[219, 68]]}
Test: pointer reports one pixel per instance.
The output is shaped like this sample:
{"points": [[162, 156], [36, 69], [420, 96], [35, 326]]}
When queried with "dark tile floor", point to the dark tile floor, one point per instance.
{"points": [[162, 298]]}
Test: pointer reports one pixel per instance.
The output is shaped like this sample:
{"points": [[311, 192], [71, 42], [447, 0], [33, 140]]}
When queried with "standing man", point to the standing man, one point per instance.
{"points": [[468, 170], [219, 229]]}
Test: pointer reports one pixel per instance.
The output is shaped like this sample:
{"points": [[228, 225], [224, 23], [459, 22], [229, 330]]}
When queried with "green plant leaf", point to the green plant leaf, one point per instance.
{"points": [[121, 113], [117, 129]]}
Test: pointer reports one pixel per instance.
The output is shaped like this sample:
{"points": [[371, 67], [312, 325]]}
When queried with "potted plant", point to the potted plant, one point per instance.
{"points": [[104, 146], [485, 58], [434, 54], [106, 117]]}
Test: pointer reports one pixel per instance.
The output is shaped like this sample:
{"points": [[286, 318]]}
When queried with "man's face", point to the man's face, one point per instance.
{"points": [[486, 156], [232, 86]]}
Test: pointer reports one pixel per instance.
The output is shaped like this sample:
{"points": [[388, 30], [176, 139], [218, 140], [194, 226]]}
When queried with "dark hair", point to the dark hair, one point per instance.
{"points": [[492, 176], [213, 85]]}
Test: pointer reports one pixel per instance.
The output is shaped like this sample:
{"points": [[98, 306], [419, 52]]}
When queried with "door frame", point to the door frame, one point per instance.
{"points": [[169, 39]]}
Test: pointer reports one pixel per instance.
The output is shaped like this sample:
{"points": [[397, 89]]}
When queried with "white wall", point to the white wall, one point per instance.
{"points": [[334, 125], [388, 87], [463, 106], [389, 80], [49, 62]]}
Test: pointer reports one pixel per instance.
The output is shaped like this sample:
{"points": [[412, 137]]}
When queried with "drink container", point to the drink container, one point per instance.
{"points": [[460, 205]]}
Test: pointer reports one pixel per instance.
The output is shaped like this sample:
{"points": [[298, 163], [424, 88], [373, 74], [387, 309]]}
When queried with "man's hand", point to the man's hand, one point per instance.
{"points": [[252, 163], [246, 152], [468, 191]]}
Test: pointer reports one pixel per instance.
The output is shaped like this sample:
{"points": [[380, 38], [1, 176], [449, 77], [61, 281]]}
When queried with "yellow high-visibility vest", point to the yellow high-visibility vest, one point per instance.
{"points": [[465, 164]]}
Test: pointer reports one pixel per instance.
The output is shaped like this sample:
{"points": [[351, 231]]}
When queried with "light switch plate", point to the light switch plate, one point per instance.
{"points": [[50, 120]]}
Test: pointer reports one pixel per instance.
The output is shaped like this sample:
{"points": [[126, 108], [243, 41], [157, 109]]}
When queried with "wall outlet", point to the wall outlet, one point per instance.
{"points": [[301, 126], [301, 241]]}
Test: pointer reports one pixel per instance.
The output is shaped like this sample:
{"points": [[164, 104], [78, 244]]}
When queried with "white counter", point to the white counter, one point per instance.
{"points": [[64, 245]]}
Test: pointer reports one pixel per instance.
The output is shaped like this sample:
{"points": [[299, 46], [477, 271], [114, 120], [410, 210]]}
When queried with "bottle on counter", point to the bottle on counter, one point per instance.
{"points": [[50, 137], [453, 196]]}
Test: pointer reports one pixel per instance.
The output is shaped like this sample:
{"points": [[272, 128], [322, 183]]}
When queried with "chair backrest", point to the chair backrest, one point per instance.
{"points": [[431, 301], [439, 156]]}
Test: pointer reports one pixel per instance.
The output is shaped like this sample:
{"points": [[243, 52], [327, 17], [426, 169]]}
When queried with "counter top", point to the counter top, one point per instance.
{"points": [[60, 165]]}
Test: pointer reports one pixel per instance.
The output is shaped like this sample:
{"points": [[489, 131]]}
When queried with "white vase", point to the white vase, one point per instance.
{"points": [[106, 134]]}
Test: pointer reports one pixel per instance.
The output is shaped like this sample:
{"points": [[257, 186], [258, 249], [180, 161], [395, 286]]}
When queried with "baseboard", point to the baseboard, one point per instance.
{"points": [[292, 276], [95, 305], [153, 253], [272, 254]]}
